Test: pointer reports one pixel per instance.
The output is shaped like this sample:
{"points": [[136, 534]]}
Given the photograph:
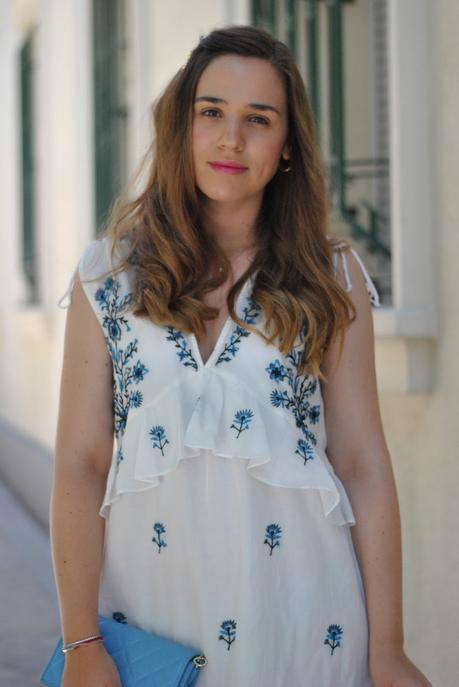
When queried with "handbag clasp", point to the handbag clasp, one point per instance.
{"points": [[200, 661]]}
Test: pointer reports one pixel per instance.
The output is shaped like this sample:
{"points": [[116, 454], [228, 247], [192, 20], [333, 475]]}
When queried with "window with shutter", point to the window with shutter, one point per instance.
{"points": [[29, 256], [110, 111], [340, 49]]}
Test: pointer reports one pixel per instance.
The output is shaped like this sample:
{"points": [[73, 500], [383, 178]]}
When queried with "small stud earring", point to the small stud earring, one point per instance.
{"points": [[286, 169]]}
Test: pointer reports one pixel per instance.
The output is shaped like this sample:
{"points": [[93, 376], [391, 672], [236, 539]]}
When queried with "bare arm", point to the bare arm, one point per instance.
{"points": [[357, 450], [83, 451]]}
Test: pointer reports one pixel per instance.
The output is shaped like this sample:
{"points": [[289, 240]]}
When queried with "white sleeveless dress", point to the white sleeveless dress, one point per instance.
{"points": [[227, 528]]}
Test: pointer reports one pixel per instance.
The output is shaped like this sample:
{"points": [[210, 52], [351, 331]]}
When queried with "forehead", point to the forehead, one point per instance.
{"points": [[242, 79]]}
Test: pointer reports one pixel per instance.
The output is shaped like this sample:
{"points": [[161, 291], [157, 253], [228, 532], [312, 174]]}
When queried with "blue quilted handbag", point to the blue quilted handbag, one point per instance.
{"points": [[143, 659]]}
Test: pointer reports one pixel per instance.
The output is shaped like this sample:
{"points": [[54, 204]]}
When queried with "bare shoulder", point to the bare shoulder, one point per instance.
{"points": [[83, 331]]}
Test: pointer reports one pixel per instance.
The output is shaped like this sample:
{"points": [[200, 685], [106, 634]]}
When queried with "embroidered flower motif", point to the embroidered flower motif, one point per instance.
{"points": [[295, 397], [185, 355], [228, 632], [124, 375], [119, 456], [114, 329], [273, 535], [333, 638], [136, 399], [304, 450], [251, 312], [314, 414], [159, 529], [119, 617], [158, 437], [277, 372], [243, 418], [138, 372]]}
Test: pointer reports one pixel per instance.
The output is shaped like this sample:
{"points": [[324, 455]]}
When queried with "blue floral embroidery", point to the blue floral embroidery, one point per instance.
{"points": [[228, 632], [158, 437], [251, 312], [185, 355], [136, 399], [124, 375], [314, 414], [301, 387], [333, 638], [273, 535], [138, 372], [119, 617], [305, 450], [243, 418], [119, 456], [159, 529]]}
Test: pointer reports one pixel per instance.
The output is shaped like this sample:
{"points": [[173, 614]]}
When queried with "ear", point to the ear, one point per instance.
{"points": [[286, 152]]}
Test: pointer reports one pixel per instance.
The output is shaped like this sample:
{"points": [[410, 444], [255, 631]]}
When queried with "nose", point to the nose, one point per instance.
{"points": [[231, 136]]}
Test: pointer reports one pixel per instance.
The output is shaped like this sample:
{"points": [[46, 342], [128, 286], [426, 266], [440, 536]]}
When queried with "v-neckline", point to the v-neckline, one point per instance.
{"points": [[223, 331]]}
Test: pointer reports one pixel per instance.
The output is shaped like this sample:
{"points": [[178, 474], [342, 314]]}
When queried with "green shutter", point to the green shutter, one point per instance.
{"points": [[29, 261], [109, 108], [312, 52], [264, 14]]}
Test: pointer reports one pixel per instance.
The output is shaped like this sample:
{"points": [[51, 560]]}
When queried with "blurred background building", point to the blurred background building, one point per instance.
{"points": [[77, 79]]}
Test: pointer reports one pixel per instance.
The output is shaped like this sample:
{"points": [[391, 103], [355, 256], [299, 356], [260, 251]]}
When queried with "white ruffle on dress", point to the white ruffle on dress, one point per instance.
{"points": [[227, 528]]}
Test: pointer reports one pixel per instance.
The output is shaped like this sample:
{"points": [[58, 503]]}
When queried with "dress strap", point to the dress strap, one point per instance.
{"points": [[372, 292], [68, 291], [92, 263]]}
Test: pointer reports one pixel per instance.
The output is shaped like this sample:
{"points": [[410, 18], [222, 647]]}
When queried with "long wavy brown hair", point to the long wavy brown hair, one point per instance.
{"points": [[173, 257]]}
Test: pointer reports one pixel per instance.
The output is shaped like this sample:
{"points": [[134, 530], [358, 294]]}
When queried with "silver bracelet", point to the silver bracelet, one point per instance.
{"points": [[70, 646]]}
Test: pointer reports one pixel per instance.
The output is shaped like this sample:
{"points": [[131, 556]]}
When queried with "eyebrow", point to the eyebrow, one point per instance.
{"points": [[256, 106]]}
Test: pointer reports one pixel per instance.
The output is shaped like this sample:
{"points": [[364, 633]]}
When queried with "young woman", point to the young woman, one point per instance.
{"points": [[249, 508]]}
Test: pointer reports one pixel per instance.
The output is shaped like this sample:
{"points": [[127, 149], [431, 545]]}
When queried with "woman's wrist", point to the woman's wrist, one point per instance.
{"points": [[87, 654], [75, 629], [390, 644]]}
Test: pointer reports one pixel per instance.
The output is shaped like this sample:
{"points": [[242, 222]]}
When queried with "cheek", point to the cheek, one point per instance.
{"points": [[271, 153], [198, 139]]}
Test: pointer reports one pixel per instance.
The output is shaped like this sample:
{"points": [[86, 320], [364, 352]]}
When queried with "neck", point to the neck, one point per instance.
{"points": [[232, 225]]}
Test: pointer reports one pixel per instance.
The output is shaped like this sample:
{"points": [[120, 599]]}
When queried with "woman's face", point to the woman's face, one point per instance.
{"points": [[233, 126]]}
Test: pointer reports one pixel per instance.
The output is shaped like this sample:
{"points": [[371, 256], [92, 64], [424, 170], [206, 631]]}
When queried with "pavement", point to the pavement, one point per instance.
{"points": [[29, 612]]}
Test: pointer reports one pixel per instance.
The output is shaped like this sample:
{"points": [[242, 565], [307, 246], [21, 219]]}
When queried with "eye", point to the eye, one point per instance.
{"points": [[204, 111], [261, 120]]}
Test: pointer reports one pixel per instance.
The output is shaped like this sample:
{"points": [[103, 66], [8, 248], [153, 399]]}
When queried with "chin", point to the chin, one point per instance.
{"points": [[223, 195]]}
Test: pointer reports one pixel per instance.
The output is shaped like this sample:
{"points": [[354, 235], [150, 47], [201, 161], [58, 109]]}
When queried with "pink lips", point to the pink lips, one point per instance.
{"points": [[227, 167]]}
